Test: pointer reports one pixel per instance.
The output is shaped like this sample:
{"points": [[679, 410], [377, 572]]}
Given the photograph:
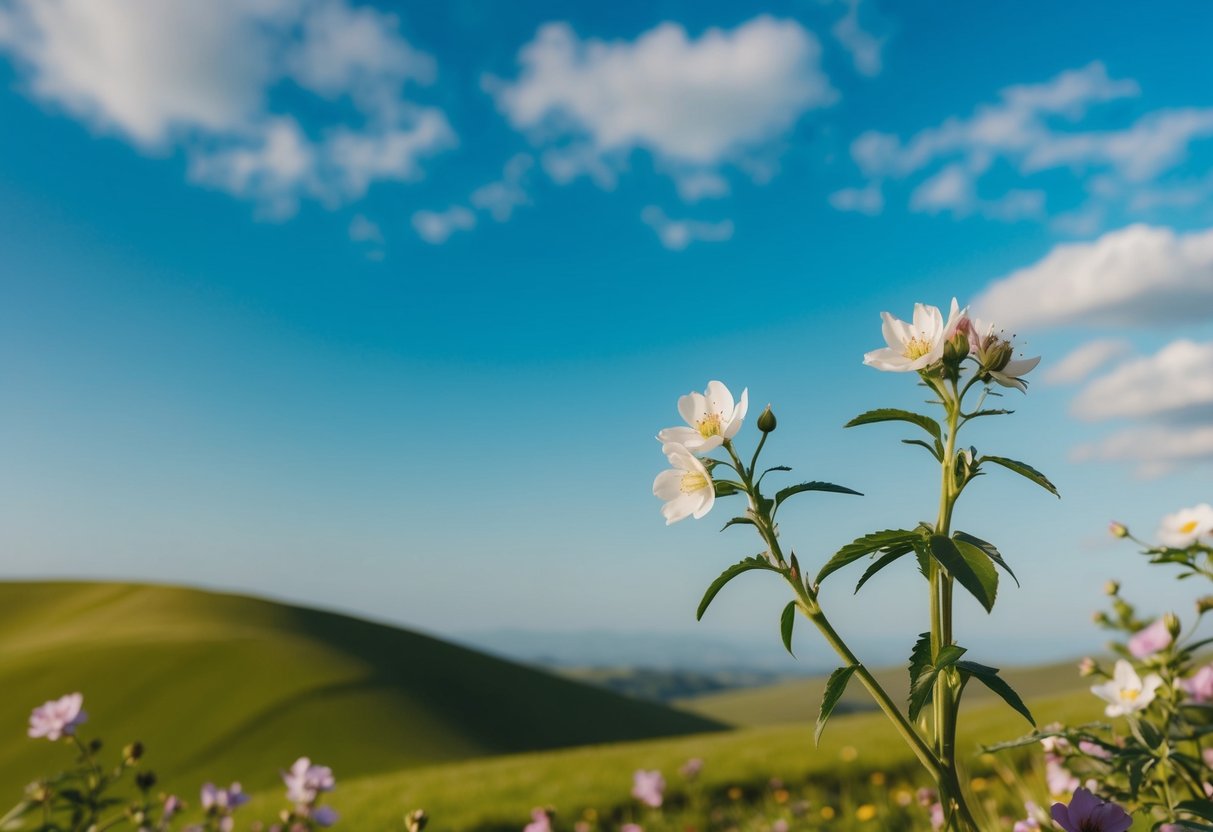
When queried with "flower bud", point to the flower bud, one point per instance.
{"points": [[1203, 605], [416, 820], [132, 752], [1100, 617], [766, 420], [1087, 667], [956, 348], [996, 355], [1173, 625], [1111, 587], [1118, 529]]}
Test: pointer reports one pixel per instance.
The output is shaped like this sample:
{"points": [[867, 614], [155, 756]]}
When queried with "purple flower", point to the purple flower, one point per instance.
{"points": [[1200, 687], [304, 782], [324, 816], [172, 805], [647, 787], [1087, 813], [223, 800], [691, 768], [58, 717], [1149, 640], [541, 821], [1027, 825]]}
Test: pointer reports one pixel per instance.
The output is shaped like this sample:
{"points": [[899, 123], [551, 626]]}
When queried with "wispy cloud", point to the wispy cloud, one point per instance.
{"points": [[1139, 275], [864, 47], [502, 197], [165, 74], [436, 227], [677, 234], [697, 105], [1087, 359]]}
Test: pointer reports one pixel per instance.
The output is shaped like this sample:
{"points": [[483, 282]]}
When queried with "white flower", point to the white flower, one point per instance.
{"points": [[917, 345], [1186, 526], [686, 488], [1127, 692], [712, 416], [993, 353]]}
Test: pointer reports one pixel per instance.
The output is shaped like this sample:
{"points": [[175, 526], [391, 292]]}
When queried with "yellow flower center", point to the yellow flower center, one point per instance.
{"points": [[1188, 528], [709, 425], [1129, 695], [917, 347], [693, 481]]}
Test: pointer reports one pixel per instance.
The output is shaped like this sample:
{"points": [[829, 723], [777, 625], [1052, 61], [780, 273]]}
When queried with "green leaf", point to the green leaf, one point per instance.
{"points": [[1029, 739], [866, 545], [835, 687], [990, 412], [1146, 734], [888, 414], [986, 547], [737, 521], [786, 622], [724, 488], [1024, 470], [935, 450], [989, 677], [729, 574], [948, 655], [887, 558], [968, 565], [1201, 808], [920, 668], [784, 493]]}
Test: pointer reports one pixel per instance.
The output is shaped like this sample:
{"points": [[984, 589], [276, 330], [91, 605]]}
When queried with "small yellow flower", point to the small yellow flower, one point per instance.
{"points": [[734, 793], [877, 778], [848, 753], [827, 812], [781, 796], [590, 814], [903, 797], [865, 812], [979, 784]]}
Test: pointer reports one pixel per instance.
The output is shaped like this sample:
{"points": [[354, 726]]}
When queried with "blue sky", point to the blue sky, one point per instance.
{"points": [[379, 307]]}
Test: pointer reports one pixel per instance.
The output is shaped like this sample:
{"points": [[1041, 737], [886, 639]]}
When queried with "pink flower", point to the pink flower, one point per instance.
{"points": [[1026, 825], [58, 717], [936, 815], [1087, 813], [647, 787], [1149, 640], [304, 782], [1200, 687], [780, 825], [1095, 750], [1058, 778], [541, 821], [172, 805], [691, 768], [631, 827]]}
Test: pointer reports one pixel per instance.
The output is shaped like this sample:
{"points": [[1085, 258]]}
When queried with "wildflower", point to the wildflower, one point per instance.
{"points": [[1127, 692], [712, 416], [304, 782], [936, 815], [735, 793], [1026, 825], [865, 812], [827, 813], [1186, 526], [780, 825], [416, 820], [926, 797], [1149, 640], [848, 753], [766, 420], [1087, 813], [541, 821], [1092, 749], [631, 827], [1118, 529], [324, 815], [222, 801], [918, 345], [877, 778], [691, 768], [1058, 778], [647, 787], [1087, 667], [1200, 686], [58, 717], [993, 353], [687, 487], [903, 797]]}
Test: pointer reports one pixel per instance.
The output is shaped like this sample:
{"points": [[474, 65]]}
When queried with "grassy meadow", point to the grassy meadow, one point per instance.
{"points": [[224, 688]]}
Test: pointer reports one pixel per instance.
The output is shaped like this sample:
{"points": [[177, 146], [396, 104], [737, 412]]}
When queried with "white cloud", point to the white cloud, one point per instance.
{"points": [[694, 103], [866, 200], [1174, 382], [678, 234], [1034, 128], [365, 230], [1086, 359], [697, 185], [502, 197], [436, 227], [1156, 450], [864, 47], [1139, 275], [204, 77]]}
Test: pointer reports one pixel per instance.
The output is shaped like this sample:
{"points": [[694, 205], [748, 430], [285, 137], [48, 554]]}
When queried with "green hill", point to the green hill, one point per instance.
{"points": [[222, 687]]}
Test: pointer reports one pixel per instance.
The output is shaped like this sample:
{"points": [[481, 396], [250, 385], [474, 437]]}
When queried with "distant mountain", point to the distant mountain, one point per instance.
{"points": [[223, 687]]}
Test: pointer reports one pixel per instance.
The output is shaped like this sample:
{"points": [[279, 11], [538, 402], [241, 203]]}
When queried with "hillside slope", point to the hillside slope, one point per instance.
{"points": [[224, 687]]}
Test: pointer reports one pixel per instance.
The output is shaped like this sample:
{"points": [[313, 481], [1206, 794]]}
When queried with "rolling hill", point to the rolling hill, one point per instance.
{"points": [[222, 687]]}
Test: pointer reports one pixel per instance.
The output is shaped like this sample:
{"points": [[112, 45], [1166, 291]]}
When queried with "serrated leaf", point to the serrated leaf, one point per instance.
{"points": [[948, 655], [969, 566], [784, 493], [920, 691], [1024, 470], [866, 545], [988, 548], [737, 521], [920, 668], [835, 687], [787, 621], [889, 414], [989, 677], [729, 574], [933, 450], [884, 560]]}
